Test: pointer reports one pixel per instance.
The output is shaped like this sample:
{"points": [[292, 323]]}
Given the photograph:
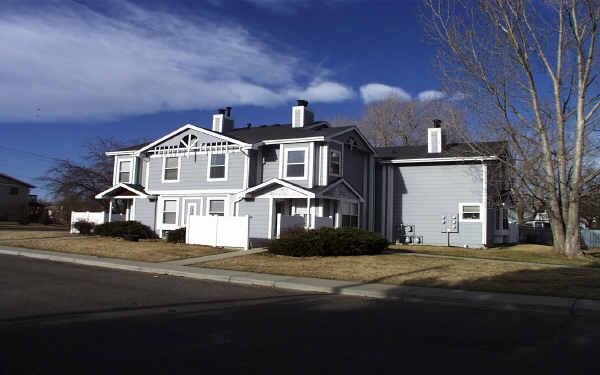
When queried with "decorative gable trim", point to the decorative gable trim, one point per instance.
{"points": [[354, 129], [196, 128]]}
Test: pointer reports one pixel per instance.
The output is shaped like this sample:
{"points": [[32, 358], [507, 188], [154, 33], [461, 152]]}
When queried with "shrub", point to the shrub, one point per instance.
{"points": [[299, 242], [24, 221], [84, 227], [125, 228], [45, 218], [176, 236]]}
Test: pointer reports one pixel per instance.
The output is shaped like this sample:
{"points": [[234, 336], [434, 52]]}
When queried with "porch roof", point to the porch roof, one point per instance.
{"points": [[123, 191], [340, 189]]}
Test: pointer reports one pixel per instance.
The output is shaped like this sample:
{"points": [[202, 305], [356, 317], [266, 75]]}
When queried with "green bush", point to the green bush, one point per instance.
{"points": [[125, 228], [45, 218], [299, 242], [84, 227], [176, 236]]}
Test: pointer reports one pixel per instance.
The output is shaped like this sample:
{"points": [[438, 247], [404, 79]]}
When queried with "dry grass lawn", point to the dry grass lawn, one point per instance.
{"points": [[430, 272], [148, 250], [23, 234], [520, 253]]}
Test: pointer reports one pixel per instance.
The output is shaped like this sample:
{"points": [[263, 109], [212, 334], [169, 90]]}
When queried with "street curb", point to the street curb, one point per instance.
{"points": [[409, 294]]}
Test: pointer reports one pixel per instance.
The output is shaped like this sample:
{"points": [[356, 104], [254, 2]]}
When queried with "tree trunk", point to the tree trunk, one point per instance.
{"points": [[558, 235]]}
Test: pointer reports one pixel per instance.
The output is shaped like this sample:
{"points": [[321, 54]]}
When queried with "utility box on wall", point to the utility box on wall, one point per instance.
{"points": [[450, 223]]}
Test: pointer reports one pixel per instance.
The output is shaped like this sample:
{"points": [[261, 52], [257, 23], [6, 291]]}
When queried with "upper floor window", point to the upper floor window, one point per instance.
{"points": [[335, 163], [295, 163], [217, 169], [124, 171], [14, 190], [171, 169]]}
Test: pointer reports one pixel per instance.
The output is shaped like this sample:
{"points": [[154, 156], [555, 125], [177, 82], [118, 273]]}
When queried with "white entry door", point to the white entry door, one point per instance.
{"points": [[191, 210]]}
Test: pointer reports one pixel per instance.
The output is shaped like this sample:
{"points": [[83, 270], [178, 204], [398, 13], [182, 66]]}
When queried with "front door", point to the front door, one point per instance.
{"points": [[191, 210]]}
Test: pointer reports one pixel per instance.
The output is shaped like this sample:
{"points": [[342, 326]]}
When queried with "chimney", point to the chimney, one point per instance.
{"points": [[301, 115], [435, 141], [222, 121]]}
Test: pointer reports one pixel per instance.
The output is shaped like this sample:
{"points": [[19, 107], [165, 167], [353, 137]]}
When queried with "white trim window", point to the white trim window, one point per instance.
{"points": [[335, 163], [217, 167], [295, 165], [169, 211], [125, 171], [470, 212], [171, 167], [216, 207]]}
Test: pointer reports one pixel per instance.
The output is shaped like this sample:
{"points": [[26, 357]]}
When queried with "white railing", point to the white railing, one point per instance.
{"points": [[93, 217], [229, 231], [321, 222], [285, 222]]}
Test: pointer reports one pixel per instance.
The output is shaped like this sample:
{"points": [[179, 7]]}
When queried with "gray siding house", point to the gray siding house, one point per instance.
{"points": [[433, 194], [14, 198]]}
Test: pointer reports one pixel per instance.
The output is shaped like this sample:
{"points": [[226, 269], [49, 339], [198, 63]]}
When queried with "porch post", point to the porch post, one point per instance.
{"points": [[307, 220], [110, 210]]}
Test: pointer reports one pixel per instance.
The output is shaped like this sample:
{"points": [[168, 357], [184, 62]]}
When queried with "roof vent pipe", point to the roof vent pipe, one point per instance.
{"points": [[228, 112], [221, 111], [437, 123]]}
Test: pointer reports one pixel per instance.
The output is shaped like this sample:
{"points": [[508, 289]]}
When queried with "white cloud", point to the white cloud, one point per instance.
{"points": [[428, 95], [374, 92], [69, 62], [323, 92]]}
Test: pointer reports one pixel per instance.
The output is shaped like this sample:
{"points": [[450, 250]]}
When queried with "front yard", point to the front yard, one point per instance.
{"points": [[429, 272], [519, 253], [23, 234], [144, 250]]}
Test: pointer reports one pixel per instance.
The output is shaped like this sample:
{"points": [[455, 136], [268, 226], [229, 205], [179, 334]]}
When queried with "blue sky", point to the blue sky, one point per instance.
{"points": [[74, 70]]}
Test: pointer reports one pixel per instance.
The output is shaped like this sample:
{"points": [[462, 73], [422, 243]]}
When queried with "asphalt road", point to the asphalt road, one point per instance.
{"points": [[61, 318]]}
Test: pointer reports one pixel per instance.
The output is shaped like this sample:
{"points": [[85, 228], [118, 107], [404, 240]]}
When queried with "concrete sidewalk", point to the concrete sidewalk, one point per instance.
{"points": [[487, 300]]}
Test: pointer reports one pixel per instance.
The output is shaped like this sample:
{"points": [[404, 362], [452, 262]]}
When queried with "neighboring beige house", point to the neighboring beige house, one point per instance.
{"points": [[14, 198]]}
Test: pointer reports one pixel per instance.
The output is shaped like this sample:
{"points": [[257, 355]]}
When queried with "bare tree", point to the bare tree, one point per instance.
{"points": [[77, 183], [397, 122], [528, 69]]}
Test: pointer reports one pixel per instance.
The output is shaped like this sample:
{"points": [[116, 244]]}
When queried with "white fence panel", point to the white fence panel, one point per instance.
{"points": [[285, 222], [321, 222], [230, 231], [92, 217]]}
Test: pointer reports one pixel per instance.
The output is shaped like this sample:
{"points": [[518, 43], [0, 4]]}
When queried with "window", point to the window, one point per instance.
{"points": [[335, 163], [216, 207], [349, 211], [470, 211], [171, 167], [188, 141], [295, 163], [124, 171], [217, 168], [14, 190], [170, 212]]}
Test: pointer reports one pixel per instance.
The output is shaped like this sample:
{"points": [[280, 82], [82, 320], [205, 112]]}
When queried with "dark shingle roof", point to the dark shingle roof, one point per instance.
{"points": [[283, 131], [449, 150], [16, 181], [133, 148]]}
